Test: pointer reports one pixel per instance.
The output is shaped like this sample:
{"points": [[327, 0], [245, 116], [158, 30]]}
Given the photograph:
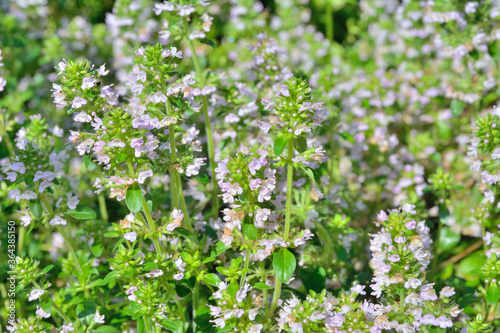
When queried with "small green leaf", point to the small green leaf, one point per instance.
{"points": [[86, 160], [222, 270], [111, 235], [183, 288], [208, 259], [170, 325], [250, 231], [121, 157], [445, 130], [141, 327], [36, 207], [18, 288], [207, 42], [82, 213], [212, 279], [262, 286], [284, 264], [47, 306], [185, 234], [448, 239], [492, 294], [106, 329], [86, 309], [233, 288], [315, 178], [133, 198], [202, 178], [97, 283], [219, 249], [186, 257], [457, 107], [347, 137], [280, 145], [46, 270], [118, 243], [300, 144], [97, 249]]}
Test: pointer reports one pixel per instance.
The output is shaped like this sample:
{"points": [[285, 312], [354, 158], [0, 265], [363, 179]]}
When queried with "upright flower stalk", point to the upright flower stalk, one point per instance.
{"points": [[181, 14], [288, 217], [208, 124], [297, 116], [289, 185]]}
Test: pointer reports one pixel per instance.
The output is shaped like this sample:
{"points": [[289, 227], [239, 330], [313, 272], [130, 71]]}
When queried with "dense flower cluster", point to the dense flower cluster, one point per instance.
{"points": [[219, 169]]}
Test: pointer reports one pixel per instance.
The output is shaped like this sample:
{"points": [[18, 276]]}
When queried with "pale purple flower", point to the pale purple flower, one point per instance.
{"points": [[78, 102], [408, 208], [88, 82], [382, 216], [410, 225], [143, 175], [57, 220], [41, 313], [130, 236], [165, 6], [447, 292], [186, 10], [35, 294], [336, 321], [98, 318]]}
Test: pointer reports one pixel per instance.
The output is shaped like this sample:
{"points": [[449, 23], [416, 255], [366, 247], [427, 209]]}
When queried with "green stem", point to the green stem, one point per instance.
{"points": [[402, 301], [182, 201], [147, 325], [173, 177], [63, 315], [263, 268], [176, 191], [327, 242], [152, 226], [71, 249], [46, 205], [495, 308], [90, 327], [196, 301], [176, 301], [130, 168], [276, 297], [211, 157], [61, 230], [329, 21], [173, 190], [102, 207], [483, 227], [193, 50], [8, 143], [149, 218], [289, 184], [173, 151], [288, 216], [208, 127], [245, 268], [436, 249], [22, 234]]}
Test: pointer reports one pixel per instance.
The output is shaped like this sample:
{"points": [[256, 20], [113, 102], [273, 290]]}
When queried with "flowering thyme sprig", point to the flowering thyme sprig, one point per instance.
{"points": [[295, 115], [400, 259], [182, 14]]}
